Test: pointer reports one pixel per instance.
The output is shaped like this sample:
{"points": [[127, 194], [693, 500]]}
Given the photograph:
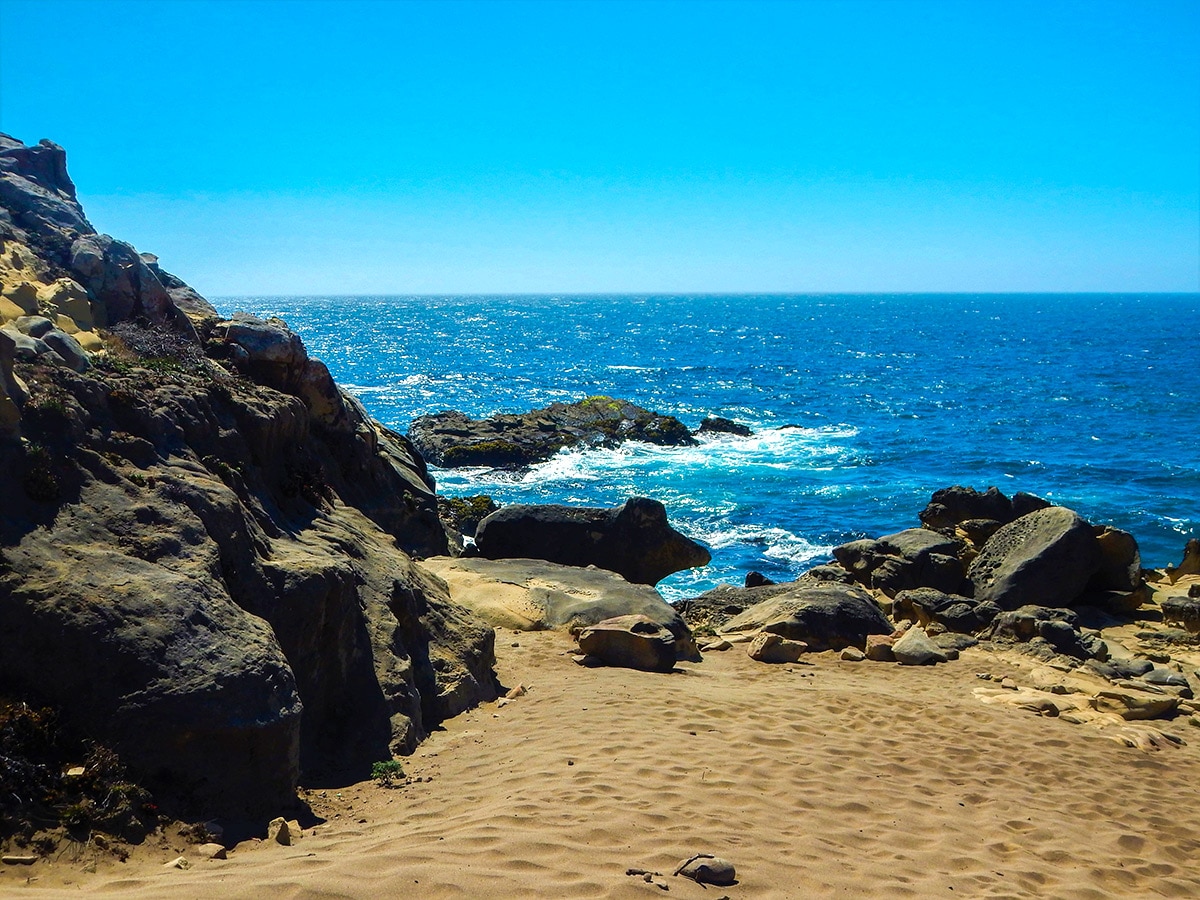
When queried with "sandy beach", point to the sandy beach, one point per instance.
{"points": [[821, 779]]}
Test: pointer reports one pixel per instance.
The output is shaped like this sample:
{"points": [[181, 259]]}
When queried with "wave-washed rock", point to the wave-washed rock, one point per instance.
{"points": [[205, 558], [451, 439]]}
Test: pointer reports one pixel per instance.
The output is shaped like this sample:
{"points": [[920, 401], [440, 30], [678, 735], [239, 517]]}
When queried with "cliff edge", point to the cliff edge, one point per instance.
{"points": [[205, 545]]}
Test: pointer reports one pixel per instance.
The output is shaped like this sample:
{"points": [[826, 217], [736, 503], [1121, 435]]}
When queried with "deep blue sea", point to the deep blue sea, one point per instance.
{"points": [[863, 405]]}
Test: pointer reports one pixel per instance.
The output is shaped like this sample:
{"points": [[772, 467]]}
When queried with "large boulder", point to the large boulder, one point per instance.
{"points": [[1044, 558], [630, 642], [915, 648], [825, 616], [532, 595], [451, 439], [914, 558], [633, 540]]}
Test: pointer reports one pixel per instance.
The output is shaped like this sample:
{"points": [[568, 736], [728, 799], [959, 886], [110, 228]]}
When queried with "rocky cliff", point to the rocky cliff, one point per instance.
{"points": [[205, 546]]}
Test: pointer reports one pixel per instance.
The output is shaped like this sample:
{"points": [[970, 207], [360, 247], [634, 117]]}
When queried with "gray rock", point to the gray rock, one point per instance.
{"points": [[26, 348], [1182, 611], [824, 616], [34, 326], [12, 396], [719, 425], [954, 612], [1045, 558], [68, 348], [915, 648], [1056, 627], [633, 540]]}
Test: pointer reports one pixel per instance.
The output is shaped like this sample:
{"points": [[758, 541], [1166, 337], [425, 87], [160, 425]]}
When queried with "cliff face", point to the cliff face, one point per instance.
{"points": [[205, 546]]}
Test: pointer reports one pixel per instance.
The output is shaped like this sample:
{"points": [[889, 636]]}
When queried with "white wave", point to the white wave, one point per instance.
{"points": [[775, 543]]}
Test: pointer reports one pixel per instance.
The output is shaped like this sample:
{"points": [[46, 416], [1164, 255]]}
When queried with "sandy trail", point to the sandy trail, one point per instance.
{"points": [[829, 779]]}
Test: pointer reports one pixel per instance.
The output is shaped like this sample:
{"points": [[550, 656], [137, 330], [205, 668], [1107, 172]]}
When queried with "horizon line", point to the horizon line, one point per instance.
{"points": [[266, 296]]}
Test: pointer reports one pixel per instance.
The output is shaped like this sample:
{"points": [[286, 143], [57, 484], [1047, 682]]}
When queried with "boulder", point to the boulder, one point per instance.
{"points": [[68, 348], [451, 439], [1134, 705], [956, 613], [1056, 626], [1181, 611], [953, 506], [917, 557], [718, 425], [630, 642], [1044, 558], [633, 539], [824, 616], [1120, 561], [1190, 564], [532, 594], [757, 579], [771, 648], [914, 648], [705, 868]]}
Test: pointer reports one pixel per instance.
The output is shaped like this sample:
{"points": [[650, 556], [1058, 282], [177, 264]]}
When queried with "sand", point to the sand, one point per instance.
{"points": [[821, 779]]}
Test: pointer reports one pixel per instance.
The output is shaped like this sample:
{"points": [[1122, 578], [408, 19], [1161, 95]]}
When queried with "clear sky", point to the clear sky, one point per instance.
{"points": [[394, 147]]}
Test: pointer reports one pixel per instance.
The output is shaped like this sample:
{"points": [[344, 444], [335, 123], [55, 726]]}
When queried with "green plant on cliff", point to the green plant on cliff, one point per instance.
{"points": [[40, 482]]}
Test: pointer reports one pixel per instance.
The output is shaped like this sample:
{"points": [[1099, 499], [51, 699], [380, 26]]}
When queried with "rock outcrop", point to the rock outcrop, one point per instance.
{"points": [[211, 574], [914, 558], [633, 540], [451, 439], [824, 616], [533, 595]]}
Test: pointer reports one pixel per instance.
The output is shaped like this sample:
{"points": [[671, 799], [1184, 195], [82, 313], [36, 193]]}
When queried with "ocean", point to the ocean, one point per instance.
{"points": [[862, 405]]}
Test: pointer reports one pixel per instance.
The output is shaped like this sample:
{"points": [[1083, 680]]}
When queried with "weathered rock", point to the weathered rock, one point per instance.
{"points": [[212, 851], [914, 648], [956, 613], [451, 439], [1134, 705], [853, 654], [630, 642], [633, 539], [771, 648], [1182, 611], [1190, 564], [532, 594], [879, 647], [1056, 626], [1044, 558], [1120, 561], [279, 832], [719, 425], [954, 506], [757, 579], [824, 616], [917, 557]]}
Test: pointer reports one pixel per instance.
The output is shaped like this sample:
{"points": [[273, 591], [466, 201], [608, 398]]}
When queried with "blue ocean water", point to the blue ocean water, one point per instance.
{"points": [[862, 405]]}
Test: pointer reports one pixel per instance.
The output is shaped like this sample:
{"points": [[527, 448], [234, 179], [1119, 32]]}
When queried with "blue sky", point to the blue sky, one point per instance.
{"points": [[394, 147]]}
